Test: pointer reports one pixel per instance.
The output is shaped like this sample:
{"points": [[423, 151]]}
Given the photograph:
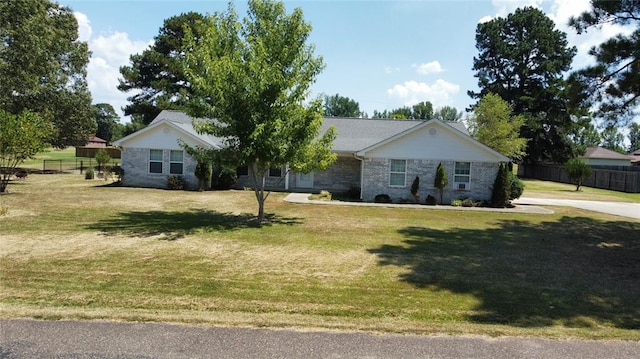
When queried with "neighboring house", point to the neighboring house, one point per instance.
{"points": [[95, 141], [374, 155], [599, 156], [635, 158]]}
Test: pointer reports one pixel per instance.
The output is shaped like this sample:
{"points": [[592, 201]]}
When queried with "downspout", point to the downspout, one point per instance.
{"points": [[361, 172], [286, 177]]}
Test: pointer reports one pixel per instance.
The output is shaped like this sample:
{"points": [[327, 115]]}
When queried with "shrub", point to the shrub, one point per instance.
{"points": [[430, 200], [102, 157], [577, 171], [118, 172], [382, 198], [415, 186], [456, 203], [468, 203], [517, 186], [501, 188], [224, 177], [203, 172], [441, 181], [175, 182], [323, 195], [4, 211], [89, 174]]}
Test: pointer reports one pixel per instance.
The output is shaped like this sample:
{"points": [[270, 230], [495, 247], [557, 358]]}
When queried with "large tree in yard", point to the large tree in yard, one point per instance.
{"points": [[156, 75], [522, 58], [612, 84], [253, 77], [43, 68]]}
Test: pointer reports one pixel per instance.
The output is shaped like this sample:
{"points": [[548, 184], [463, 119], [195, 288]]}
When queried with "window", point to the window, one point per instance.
{"points": [[398, 173], [462, 176], [275, 172], [155, 161], [175, 162], [242, 171]]}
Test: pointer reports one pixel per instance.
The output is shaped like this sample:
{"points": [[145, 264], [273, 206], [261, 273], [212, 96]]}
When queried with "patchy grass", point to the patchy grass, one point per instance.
{"points": [[76, 249], [547, 189]]}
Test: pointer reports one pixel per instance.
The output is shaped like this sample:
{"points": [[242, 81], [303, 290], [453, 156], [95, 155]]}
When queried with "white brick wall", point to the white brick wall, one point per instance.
{"points": [[376, 180], [135, 163]]}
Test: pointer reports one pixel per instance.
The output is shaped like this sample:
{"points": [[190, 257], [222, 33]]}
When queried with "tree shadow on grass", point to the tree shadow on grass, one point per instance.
{"points": [[176, 225], [576, 272]]}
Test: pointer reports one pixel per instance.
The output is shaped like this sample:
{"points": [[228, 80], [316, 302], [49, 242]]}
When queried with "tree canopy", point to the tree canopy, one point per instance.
{"points": [[340, 106], [156, 74], [109, 128], [22, 136], [493, 124], [253, 76], [522, 59], [43, 67], [448, 113], [419, 111], [613, 83]]}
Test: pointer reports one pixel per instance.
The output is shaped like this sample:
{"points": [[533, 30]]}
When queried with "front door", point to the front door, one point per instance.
{"points": [[304, 180]]}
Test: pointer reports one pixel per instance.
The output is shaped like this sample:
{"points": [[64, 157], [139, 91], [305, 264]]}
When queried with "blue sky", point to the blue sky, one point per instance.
{"points": [[382, 54]]}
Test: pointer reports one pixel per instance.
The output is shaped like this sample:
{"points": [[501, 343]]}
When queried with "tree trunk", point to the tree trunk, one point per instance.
{"points": [[258, 178]]}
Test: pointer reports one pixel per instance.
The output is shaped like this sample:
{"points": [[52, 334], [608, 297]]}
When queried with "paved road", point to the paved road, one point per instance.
{"points": [[631, 210], [106, 340]]}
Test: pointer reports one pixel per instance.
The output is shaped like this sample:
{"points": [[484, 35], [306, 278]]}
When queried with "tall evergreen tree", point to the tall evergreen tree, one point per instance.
{"points": [[613, 83], [157, 72], [522, 58]]}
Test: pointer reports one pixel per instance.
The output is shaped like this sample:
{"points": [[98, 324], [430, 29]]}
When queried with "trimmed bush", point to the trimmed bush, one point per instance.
{"points": [[501, 188], [415, 187], [175, 182], [382, 198], [441, 180], [517, 186], [430, 200], [89, 174], [203, 172], [468, 203], [456, 203]]}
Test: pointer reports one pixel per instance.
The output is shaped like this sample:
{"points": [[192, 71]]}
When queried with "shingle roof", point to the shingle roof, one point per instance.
{"points": [[600, 152], [354, 134]]}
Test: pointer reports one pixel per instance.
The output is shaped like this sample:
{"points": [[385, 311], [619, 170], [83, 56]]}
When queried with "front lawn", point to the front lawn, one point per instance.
{"points": [[77, 249]]}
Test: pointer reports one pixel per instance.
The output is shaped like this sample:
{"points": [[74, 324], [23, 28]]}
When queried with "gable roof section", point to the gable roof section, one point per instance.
{"points": [[463, 135], [604, 153], [179, 121], [357, 134]]}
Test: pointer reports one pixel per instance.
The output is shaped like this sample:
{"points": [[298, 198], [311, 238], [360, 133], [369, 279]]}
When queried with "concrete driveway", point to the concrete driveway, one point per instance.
{"points": [[623, 209]]}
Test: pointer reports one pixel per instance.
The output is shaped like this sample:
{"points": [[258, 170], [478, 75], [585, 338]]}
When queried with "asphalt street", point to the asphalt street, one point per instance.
{"points": [[111, 340]]}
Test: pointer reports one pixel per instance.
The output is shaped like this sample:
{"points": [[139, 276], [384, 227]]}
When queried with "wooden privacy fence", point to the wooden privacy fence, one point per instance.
{"points": [[114, 152], [616, 178]]}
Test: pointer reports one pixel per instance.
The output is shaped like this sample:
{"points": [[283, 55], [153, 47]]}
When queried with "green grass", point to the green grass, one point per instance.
{"points": [[77, 249], [548, 189]]}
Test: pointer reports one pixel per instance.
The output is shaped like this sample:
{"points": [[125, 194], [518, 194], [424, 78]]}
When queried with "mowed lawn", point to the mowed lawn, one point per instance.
{"points": [[77, 249]]}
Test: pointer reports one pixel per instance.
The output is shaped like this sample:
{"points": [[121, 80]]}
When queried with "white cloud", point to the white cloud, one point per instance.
{"points": [[432, 67], [109, 52], [440, 93], [84, 26]]}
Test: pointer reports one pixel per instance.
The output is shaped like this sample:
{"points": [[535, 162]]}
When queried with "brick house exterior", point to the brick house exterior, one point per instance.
{"points": [[375, 156]]}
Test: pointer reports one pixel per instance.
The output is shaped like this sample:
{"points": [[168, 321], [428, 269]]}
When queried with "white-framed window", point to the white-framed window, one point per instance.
{"points": [[398, 173], [176, 159], [155, 161], [275, 172], [462, 176]]}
